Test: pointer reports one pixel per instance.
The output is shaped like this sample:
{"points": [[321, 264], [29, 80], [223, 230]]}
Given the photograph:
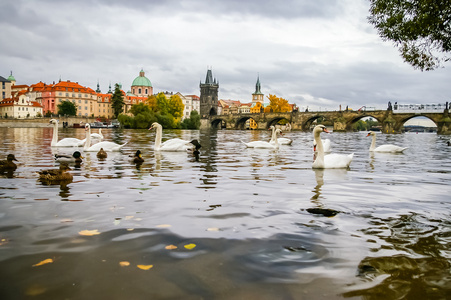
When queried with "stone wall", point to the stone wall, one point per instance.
{"points": [[43, 122]]}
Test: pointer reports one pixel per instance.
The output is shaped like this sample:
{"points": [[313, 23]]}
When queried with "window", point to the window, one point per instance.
{"points": [[139, 91], [86, 101], [67, 94], [79, 101], [146, 91]]}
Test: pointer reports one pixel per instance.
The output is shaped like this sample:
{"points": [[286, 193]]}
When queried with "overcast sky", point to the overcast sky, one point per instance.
{"points": [[319, 53]]}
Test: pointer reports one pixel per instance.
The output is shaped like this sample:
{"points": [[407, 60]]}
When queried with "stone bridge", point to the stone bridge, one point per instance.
{"points": [[340, 120]]}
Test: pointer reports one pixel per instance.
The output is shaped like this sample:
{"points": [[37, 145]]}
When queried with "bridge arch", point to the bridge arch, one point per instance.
{"points": [[218, 123], [308, 123], [241, 122], [275, 121], [351, 122]]}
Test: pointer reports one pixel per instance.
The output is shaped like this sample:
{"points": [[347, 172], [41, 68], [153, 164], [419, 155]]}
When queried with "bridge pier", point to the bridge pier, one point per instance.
{"points": [[444, 124]]}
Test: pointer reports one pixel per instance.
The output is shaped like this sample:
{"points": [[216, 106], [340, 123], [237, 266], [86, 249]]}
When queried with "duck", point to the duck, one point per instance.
{"points": [[74, 158], [102, 154], [55, 176], [137, 158], [384, 148], [281, 140], [264, 144], [107, 146], [175, 144], [8, 164], [66, 142], [330, 161]]}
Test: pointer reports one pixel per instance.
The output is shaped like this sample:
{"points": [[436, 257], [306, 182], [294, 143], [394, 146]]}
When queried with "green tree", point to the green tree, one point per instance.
{"points": [[67, 108], [162, 104], [117, 101], [193, 122], [420, 28], [144, 117]]}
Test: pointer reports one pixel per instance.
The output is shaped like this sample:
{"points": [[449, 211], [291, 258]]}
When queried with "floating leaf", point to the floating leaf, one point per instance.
{"points": [[89, 232], [145, 267], [171, 247], [117, 222], [130, 229], [213, 229], [124, 263], [163, 226], [190, 246], [129, 217], [45, 261]]}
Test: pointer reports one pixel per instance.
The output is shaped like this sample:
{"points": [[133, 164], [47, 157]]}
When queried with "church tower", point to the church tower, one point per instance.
{"points": [[209, 96], [257, 96]]}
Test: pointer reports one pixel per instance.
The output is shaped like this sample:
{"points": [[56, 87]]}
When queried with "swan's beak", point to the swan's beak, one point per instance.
{"points": [[368, 134], [314, 147], [326, 131]]}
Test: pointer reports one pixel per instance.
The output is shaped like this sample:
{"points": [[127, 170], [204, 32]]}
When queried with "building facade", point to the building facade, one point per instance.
{"points": [[209, 96]]}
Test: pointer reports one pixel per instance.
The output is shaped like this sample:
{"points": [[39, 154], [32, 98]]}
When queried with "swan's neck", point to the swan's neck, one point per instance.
{"points": [[276, 141], [273, 135], [88, 139], [373, 143], [55, 135], [319, 149], [158, 134]]}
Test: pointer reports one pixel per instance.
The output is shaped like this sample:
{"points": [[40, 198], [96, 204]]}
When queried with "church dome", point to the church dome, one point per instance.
{"points": [[11, 77], [141, 80]]}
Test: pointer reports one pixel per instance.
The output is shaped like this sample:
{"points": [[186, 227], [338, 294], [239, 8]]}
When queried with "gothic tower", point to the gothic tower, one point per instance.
{"points": [[257, 96], [209, 96]]}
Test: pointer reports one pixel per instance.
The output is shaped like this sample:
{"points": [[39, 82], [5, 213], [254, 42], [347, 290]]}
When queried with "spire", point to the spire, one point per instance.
{"points": [[98, 87], [109, 90], [258, 86], [209, 78]]}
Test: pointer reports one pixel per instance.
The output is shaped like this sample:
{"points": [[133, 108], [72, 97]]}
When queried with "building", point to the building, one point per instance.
{"points": [[192, 103], [141, 86], [5, 88], [257, 96], [209, 96], [20, 106]]}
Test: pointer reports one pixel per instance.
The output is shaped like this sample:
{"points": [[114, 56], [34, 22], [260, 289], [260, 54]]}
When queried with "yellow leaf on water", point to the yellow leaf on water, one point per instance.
{"points": [[45, 261], [145, 267], [124, 263], [190, 246], [163, 226], [213, 229], [129, 217], [171, 247], [130, 229], [89, 232]]}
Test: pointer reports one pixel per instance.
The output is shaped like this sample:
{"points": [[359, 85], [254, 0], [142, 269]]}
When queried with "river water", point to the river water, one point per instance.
{"points": [[235, 223]]}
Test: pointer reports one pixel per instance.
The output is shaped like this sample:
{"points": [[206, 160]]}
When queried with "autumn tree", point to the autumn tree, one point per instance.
{"points": [[277, 104], [117, 101], [67, 108], [421, 29], [176, 106], [152, 103]]}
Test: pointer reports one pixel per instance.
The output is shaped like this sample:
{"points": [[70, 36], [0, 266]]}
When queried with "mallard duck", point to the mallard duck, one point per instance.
{"points": [[137, 158], [53, 176], [102, 154], [74, 158], [8, 164]]}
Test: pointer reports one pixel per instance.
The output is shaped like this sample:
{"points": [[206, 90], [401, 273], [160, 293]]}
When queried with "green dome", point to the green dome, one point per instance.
{"points": [[141, 80], [11, 77]]}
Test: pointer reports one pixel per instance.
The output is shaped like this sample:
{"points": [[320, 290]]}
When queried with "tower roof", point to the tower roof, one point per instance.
{"points": [[258, 87], [11, 77], [141, 80]]}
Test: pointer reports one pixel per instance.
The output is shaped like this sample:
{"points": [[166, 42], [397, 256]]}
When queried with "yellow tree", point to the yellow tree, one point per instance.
{"points": [[152, 102], [176, 106], [277, 104]]}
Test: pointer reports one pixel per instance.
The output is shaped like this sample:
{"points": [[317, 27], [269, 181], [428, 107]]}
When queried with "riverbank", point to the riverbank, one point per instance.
{"points": [[43, 122]]}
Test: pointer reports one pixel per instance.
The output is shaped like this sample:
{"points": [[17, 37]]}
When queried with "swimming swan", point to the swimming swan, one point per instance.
{"points": [[66, 142], [266, 145], [171, 144], [384, 148], [281, 140], [331, 161], [107, 146]]}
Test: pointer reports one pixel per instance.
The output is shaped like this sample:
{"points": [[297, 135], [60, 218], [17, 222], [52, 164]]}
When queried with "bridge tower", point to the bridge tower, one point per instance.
{"points": [[209, 96]]}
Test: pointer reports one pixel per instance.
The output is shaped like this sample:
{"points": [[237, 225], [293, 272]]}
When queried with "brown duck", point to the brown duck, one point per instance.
{"points": [[55, 176], [8, 164]]}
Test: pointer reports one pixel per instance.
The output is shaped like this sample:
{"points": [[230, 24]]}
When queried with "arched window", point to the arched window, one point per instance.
{"points": [[139, 91]]}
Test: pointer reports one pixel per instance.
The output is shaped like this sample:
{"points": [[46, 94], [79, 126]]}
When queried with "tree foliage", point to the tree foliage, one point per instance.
{"points": [[117, 101], [176, 106], [67, 108], [420, 28], [277, 104], [193, 122]]}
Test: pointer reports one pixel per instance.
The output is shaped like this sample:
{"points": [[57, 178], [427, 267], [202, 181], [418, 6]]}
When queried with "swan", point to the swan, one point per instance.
{"points": [[384, 148], [107, 146], [331, 161], [266, 145], [281, 140], [66, 142], [171, 144], [326, 145], [96, 136], [74, 158]]}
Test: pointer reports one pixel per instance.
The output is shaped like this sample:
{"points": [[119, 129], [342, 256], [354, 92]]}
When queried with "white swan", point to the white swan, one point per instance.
{"points": [[331, 161], [107, 146], [383, 148], [326, 145], [281, 140], [66, 142], [175, 144], [265, 145]]}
